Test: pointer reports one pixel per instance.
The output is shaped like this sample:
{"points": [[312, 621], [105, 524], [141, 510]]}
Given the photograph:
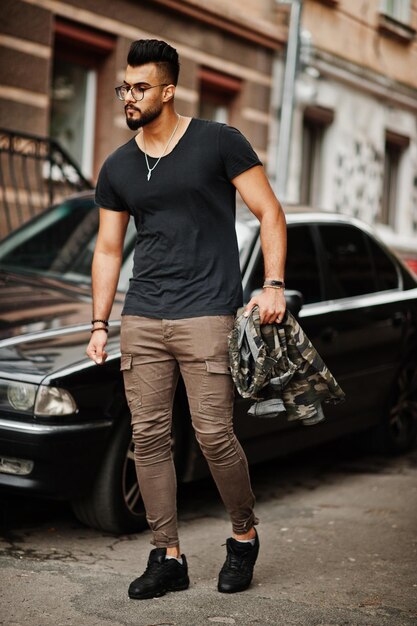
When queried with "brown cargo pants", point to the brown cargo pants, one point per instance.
{"points": [[154, 353]]}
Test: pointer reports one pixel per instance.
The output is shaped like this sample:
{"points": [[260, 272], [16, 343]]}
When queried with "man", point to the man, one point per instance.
{"points": [[178, 178]]}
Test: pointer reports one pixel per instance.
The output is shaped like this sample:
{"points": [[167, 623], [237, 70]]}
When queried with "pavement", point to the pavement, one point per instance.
{"points": [[338, 534]]}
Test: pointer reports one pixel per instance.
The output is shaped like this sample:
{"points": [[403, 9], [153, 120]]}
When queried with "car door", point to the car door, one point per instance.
{"points": [[359, 326], [302, 274]]}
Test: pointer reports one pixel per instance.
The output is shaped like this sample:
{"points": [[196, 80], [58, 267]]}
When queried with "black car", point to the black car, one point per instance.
{"points": [[64, 422]]}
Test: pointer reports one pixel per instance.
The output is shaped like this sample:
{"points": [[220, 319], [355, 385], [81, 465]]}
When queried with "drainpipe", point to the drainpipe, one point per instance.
{"points": [[288, 96]]}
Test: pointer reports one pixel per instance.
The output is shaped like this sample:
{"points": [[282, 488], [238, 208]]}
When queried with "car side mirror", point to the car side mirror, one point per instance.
{"points": [[293, 298]]}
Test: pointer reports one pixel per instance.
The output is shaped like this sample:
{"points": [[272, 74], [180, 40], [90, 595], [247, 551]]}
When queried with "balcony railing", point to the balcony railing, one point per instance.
{"points": [[35, 172]]}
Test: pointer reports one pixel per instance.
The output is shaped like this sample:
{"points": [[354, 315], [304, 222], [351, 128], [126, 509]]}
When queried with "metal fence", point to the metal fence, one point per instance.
{"points": [[35, 172]]}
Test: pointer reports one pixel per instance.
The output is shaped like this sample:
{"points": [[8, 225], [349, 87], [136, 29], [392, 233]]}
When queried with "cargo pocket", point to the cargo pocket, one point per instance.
{"points": [[131, 382], [217, 389]]}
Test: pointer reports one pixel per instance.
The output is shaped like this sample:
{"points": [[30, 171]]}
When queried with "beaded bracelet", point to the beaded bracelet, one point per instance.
{"points": [[102, 321]]}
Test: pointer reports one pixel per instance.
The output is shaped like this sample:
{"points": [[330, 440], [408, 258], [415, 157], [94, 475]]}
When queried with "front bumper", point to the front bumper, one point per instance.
{"points": [[66, 457]]}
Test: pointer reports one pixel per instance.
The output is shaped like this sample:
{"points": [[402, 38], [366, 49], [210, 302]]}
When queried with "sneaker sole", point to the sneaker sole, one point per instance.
{"points": [[234, 590], [180, 586]]}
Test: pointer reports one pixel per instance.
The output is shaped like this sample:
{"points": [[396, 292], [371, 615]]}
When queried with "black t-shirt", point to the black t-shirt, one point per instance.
{"points": [[186, 260]]}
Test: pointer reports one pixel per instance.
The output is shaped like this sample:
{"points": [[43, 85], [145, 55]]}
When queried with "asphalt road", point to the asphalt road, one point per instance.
{"points": [[338, 538]]}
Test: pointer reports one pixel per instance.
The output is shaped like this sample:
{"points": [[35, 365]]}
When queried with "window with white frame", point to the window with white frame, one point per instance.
{"points": [[316, 119], [395, 145], [73, 109], [399, 10], [79, 52]]}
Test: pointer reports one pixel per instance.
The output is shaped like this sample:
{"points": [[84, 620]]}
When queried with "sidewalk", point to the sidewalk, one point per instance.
{"points": [[338, 548]]}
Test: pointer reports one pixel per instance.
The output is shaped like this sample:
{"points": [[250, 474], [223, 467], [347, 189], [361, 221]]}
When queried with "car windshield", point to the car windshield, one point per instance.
{"points": [[60, 243]]}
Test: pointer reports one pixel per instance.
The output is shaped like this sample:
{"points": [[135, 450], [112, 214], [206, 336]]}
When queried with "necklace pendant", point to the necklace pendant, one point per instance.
{"points": [[150, 170]]}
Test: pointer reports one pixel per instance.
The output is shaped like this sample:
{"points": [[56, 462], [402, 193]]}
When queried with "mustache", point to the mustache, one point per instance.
{"points": [[131, 107]]}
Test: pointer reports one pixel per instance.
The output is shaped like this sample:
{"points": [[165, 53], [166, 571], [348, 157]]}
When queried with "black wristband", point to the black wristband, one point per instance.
{"points": [[94, 329], [278, 284]]}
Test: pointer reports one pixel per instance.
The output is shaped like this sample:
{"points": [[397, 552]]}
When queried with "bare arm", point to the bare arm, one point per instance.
{"points": [[257, 193], [106, 265]]}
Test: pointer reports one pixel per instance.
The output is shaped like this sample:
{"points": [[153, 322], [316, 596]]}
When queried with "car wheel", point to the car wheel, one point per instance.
{"points": [[115, 504], [397, 432]]}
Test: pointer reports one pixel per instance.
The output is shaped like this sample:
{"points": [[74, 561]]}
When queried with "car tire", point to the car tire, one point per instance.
{"points": [[114, 504], [396, 433]]}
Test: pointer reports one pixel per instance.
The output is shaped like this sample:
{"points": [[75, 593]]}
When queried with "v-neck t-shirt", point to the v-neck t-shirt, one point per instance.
{"points": [[186, 258]]}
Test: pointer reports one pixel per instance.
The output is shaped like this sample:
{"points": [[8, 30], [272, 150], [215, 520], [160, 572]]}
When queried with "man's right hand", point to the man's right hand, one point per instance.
{"points": [[95, 349]]}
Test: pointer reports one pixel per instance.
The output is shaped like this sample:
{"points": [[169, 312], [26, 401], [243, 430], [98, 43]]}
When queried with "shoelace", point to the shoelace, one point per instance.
{"points": [[233, 561], [152, 567], [237, 562]]}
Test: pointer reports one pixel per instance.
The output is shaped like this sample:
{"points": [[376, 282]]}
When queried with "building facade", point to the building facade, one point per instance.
{"points": [[354, 134], [61, 59], [58, 76], [354, 141]]}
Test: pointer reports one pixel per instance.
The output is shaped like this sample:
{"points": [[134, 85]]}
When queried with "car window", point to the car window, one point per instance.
{"points": [[385, 270], [246, 235], [302, 270], [349, 262]]}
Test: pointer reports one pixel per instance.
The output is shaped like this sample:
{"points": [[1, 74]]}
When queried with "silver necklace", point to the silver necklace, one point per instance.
{"points": [[151, 169]]}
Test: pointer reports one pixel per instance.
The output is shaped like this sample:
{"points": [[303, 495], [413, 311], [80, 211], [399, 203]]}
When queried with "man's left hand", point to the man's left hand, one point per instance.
{"points": [[271, 303]]}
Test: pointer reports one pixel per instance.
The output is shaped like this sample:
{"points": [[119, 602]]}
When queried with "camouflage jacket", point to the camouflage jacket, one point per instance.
{"points": [[276, 365]]}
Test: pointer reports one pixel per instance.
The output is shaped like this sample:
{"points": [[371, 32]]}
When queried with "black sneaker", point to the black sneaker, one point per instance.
{"points": [[161, 575], [237, 571]]}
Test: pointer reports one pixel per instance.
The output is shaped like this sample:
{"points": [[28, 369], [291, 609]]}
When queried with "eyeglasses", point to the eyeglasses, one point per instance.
{"points": [[137, 93]]}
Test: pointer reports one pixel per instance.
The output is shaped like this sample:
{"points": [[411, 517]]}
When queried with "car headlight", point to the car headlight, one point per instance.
{"points": [[38, 400], [53, 401], [21, 396]]}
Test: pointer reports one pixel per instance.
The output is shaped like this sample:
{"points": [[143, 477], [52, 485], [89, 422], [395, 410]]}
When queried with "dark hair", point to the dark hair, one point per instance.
{"points": [[155, 51]]}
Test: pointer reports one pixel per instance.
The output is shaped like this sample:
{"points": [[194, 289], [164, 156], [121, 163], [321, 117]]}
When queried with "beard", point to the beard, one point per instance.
{"points": [[146, 118]]}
